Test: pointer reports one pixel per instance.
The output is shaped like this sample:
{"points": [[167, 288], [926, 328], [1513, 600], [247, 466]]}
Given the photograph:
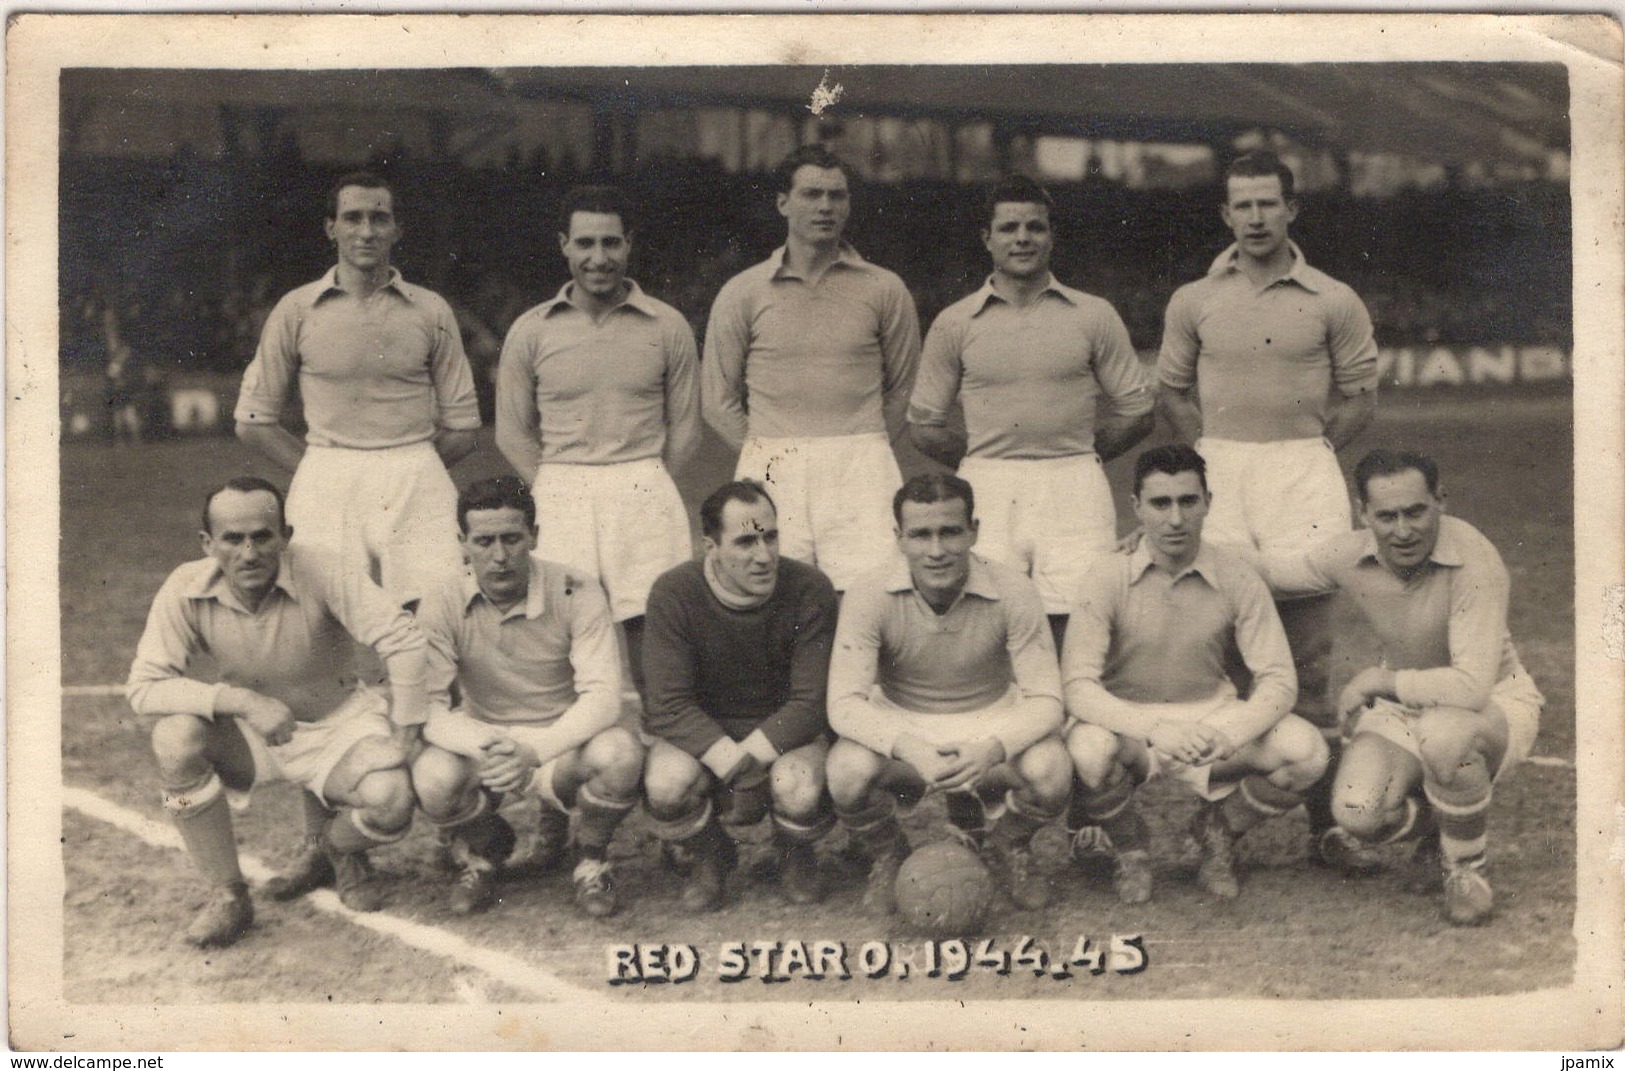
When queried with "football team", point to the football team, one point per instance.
{"points": [[848, 643]]}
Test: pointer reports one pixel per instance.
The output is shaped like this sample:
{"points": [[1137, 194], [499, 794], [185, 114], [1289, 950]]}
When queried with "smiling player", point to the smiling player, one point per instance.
{"points": [[1029, 358], [596, 406], [944, 679], [1450, 708]]}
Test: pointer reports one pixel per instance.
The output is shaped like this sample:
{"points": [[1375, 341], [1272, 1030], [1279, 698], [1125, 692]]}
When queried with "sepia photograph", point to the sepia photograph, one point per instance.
{"points": [[1040, 531]]}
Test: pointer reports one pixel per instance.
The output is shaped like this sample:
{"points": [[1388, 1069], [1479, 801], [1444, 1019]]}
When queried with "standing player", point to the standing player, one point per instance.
{"points": [[278, 622], [1451, 708], [1029, 358], [532, 647], [595, 404], [738, 661], [389, 403], [808, 360], [388, 398], [944, 678], [1269, 367], [1144, 670]]}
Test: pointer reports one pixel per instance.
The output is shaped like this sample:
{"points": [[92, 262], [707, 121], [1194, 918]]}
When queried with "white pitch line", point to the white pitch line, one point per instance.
{"points": [[499, 965], [92, 689]]}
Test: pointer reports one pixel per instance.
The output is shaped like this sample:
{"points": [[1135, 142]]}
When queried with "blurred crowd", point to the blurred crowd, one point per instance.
{"points": [[172, 268]]}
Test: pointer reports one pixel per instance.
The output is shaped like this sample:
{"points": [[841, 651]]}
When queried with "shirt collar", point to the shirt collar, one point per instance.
{"points": [[988, 294], [535, 603], [395, 282], [980, 582], [845, 256], [1446, 551], [1300, 272], [635, 300], [212, 583], [1139, 562]]}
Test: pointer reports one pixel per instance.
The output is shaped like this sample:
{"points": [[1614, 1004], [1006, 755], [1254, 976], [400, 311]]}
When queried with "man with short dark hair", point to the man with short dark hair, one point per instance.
{"points": [[1269, 367], [388, 398], [808, 360], [596, 405], [737, 661], [944, 679], [1152, 634], [1029, 359], [531, 646], [1450, 709], [280, 623], [389, 404]]}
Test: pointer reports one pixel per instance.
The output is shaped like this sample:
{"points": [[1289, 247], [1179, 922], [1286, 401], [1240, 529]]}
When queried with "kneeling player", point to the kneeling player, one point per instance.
{"points": [[1147, 692], [944, 678], [1450, 708], [736, 662], [531, 646], [279, 622]]}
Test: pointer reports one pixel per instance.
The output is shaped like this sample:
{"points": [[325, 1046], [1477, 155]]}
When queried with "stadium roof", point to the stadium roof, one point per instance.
{"points": [[1452, 113], [1444, 112]]}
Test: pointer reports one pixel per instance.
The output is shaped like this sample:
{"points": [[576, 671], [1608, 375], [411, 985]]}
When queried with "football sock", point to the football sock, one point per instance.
{"points": [[872, 825], [1021, 819], [1112, 809], [317, 816], [1256, 798], [600, 817], [683, 825], [804, 830], [1317, 798], [1463, 825], [967, 813], [1414, 819], [481, 804], [349, 832], [204, 822]]}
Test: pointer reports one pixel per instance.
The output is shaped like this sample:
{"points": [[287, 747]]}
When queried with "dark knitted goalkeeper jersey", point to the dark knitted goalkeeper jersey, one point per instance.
{"points": [[710, 670]]}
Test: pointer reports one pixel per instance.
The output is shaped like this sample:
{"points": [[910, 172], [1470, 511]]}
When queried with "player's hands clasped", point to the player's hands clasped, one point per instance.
{"points": [[1189, 742], [950, 765], [507, 765], [745, 793]]}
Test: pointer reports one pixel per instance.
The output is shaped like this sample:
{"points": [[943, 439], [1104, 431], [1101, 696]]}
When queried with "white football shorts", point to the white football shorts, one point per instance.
{"points": [[624, 524], [1052, 518], [833, 496]]}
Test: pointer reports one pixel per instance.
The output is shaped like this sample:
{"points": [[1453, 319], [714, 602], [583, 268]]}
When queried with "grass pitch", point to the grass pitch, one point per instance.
{"points": [[1295, 931]]}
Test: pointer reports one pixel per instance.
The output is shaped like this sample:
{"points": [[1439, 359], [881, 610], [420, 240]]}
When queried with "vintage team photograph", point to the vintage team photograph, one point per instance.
{"points": [[737, 528]]}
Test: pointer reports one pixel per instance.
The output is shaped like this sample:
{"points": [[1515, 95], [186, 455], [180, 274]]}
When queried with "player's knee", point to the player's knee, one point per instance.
{"points": [[671, 782], [615, 758], [441, 779], [1360, 807], [851, 771], [1299, 752], [387, 800], [1047, 769], [1450, 744], [1093, 751], [797, 785], [178, 741]]}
